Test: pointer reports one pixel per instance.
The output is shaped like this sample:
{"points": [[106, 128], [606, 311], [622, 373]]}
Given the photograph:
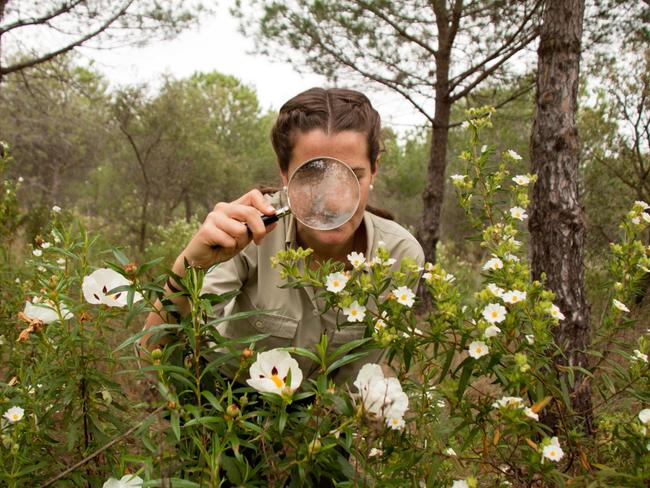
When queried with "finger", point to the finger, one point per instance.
{"points": [[251, 217], [216, 237], [254, 198], [233, 227]]}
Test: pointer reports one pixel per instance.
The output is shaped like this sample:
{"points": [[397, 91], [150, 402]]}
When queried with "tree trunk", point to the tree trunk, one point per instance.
{"points": [[557, 225], [432, 197], [3, 4]]}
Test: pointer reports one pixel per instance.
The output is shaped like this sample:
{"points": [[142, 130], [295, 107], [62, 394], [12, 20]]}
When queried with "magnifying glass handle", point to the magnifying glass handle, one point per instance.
{"points": [[268, 220]]}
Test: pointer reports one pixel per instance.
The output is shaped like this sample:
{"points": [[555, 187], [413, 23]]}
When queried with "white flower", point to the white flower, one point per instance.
{"points": [[513, 296], [126, 481], [644, 415], [530, 338], [45, 311], [269, 372], [60, 261], [521, 180], [459, 484], [395, 423], [450, 452], [484, 148], [513, 154], [495, 290], [636, 220], [530, 414], [375, 452], [494, 313], [99, 283], [511, 257], [555, 312], [390, 262], [404, 295], [56, 209], [620, 305], [639, 356], [335, 282], [646, 217], [14, 414], [478, 349], [37, 252], [45, 245], [20, 179], [427, 276], [450, 278], [356, 259], [518, 213], [509, 402], [641, 205], [41, 269], [553, 451], [492, 331], [381, 396], [457, 177], [355, 312], [493, 264]]}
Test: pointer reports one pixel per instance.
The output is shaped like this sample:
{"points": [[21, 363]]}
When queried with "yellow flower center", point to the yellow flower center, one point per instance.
{"points": [[403, 297], [478, 350], [336, 283], [394, 421], [551, 453], [278, 381], [354, 312], [514, 298], [494, 315]]}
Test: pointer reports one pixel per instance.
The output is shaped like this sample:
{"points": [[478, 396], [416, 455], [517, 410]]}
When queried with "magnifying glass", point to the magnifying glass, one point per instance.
{"points": [[323, 194]]}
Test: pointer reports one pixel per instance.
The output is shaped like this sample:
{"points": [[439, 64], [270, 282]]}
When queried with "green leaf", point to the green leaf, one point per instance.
{"points": [[150, 330], [464, 378], [345, 348], [121, 257], [345, 360], [176, 425]]}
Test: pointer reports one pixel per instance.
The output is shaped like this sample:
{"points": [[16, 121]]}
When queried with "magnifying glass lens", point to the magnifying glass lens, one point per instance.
{"points": [[323, 193]]}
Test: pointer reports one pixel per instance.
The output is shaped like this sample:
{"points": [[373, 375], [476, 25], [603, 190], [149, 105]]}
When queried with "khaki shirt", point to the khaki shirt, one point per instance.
{"points": [[293, 315]]}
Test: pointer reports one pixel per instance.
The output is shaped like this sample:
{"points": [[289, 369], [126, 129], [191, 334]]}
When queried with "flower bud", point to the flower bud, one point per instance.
{"points": [[233, 410], [171, 404], [243, 400], [245, 354], [314, 446], [156, 354]]}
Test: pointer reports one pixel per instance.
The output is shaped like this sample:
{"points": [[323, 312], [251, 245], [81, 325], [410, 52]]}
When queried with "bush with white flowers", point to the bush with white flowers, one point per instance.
{"points": [[473, 392]]}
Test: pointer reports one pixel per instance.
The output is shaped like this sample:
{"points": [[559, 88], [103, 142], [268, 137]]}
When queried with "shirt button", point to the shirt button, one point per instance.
{"points": [[315, 311], [258, 323]]}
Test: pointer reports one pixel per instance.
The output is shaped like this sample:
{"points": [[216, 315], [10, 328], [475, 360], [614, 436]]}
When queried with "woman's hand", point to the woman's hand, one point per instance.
{"points": [[227, 230]]}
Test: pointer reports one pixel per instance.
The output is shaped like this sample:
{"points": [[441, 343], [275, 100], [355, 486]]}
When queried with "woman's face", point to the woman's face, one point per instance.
{"points": [[350, 147]]}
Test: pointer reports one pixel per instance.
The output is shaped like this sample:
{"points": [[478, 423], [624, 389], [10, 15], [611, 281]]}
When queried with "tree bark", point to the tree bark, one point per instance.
{"points": [[557, 225]]}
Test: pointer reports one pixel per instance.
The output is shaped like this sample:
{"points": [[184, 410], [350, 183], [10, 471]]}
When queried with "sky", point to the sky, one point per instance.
{"points": [[216, 44]]}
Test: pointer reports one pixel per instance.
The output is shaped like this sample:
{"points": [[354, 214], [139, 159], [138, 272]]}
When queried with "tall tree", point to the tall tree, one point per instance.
{"points": [[557, 224], [58, 26], [432, 53]]}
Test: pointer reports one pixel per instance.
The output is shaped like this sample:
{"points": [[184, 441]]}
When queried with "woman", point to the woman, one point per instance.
{"points": [[335, 122]]}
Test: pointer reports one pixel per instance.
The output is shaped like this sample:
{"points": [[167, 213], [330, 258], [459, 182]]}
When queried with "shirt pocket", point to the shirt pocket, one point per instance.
{"points": [[282, 330]]}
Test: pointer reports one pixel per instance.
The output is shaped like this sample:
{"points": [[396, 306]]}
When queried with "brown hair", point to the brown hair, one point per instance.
{"points": [[331, 110]]}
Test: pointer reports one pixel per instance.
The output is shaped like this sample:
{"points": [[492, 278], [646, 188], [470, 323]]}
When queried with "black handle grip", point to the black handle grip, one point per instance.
{"points": [[267, 219]]}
